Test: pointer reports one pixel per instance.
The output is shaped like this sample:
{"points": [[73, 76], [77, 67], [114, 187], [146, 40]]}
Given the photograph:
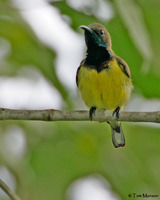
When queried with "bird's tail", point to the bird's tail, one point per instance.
{"points": [[118, 138]]}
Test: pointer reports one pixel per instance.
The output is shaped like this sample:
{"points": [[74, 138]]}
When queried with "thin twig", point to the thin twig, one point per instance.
{"points": [[8, 191], [77, 115]]}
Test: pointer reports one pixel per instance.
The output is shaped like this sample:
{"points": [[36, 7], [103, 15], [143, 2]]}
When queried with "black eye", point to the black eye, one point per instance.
{"points": [[101, 32]]}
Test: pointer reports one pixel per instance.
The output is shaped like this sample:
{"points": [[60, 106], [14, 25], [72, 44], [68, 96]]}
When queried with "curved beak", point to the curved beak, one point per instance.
{"points": [[85, 28]]}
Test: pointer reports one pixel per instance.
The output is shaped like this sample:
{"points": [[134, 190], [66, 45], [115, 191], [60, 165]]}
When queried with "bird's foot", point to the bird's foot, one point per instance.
{"points": [[116, 112], [91, 112]]}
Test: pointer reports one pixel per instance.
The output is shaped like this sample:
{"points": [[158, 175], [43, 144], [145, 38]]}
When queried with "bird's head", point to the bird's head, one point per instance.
{"points": [[96, 36]]}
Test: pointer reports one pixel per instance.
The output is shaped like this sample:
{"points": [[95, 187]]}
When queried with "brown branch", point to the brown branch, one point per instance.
{"points": [[8, 191], [77, 115]]}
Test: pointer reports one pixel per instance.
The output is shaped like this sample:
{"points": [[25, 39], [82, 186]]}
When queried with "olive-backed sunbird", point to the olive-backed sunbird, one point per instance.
{"points": [[103, 78]]}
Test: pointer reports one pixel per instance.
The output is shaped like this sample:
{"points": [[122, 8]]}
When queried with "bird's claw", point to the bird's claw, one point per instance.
{"points": [[116, 112], [91, 112]]}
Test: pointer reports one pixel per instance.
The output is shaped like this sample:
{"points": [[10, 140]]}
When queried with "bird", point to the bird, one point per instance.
{"points": [[103, 78]]}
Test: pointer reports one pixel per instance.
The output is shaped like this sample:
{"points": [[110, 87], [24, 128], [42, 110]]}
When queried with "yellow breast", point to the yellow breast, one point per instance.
{"points": [[107, 89]]}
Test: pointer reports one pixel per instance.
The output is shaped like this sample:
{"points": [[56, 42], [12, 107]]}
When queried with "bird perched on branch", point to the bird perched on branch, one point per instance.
{"points": [[103, 78]]}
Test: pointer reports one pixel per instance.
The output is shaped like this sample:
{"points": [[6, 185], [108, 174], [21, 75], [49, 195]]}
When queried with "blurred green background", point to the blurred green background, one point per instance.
{"points": [[42, 160]]}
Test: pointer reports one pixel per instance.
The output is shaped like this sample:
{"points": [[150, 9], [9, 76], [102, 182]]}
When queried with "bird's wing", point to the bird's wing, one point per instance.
{"points": [[123, 65], [82, 62]]}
